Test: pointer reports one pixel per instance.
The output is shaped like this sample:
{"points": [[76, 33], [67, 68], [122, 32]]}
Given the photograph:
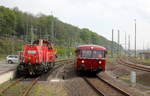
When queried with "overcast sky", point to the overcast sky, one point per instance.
{"points": [[100, 16]]}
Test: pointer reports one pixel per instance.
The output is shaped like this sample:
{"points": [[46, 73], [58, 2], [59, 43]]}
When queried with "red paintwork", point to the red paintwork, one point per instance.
{"points": [[96, 47], [43, 53], [91, 64]]}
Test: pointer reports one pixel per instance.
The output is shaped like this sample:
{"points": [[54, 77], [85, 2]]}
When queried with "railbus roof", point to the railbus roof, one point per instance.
{"points": [[96, 47]]}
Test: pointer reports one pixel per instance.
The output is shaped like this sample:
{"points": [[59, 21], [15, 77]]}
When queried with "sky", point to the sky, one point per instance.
{"points": [[100, 16]]}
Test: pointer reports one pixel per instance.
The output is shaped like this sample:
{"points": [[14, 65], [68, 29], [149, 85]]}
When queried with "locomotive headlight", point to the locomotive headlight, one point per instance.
{"points": [[82, 61], [99, 62]]}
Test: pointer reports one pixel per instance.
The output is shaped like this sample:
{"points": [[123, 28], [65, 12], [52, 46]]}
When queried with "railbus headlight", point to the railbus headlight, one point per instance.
{"points": [[99, 62], [82, 61]]}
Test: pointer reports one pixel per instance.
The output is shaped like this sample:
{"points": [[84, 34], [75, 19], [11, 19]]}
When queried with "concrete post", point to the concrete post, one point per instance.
{"points": [[133, 78]]}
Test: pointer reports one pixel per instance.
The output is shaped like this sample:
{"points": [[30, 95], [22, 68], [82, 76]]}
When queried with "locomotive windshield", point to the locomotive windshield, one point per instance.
{"points": [[91, 53]]}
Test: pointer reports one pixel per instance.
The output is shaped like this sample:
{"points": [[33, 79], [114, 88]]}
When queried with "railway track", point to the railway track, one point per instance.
{"points": [[12, 84], [59, 64], [64, 61], [28, 89], [133, 65], [24, 93], [103, 88]]}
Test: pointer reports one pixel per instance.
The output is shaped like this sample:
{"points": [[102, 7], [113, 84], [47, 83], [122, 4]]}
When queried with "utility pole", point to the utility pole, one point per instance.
{"points": [[125, 43], [143, 46], [147, 47], [52, 29], [27, 33], [32, 34], [112, 49], [129, 45], [13, 35], [0, 24], [135, 37], [40, 31], [118, 49]]}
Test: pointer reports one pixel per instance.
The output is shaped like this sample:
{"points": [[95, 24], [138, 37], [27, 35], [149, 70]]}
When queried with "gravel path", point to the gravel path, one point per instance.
{"points": [[75, 85]]}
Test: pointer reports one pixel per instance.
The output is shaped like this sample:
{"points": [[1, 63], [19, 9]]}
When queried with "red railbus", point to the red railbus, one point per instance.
{"points": [[90, 58]]}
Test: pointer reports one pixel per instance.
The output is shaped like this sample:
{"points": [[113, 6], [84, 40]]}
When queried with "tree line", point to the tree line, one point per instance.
{"points": [[28, 27]]}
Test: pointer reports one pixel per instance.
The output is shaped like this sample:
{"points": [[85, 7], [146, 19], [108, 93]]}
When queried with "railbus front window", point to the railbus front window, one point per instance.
{"points": [[86, 53], [91, 53], [98, 54]]}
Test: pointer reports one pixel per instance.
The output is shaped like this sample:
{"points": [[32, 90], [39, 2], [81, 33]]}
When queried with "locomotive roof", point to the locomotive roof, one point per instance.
{"points": [[97, 47]]}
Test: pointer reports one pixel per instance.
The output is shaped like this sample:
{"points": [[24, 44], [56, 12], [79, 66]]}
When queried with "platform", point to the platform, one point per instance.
{"points": [[4, 66]]}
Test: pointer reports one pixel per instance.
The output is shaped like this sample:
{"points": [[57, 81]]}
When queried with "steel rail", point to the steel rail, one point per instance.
{"points": [[99, 91], [114, 87], [93, 87], [25, 93], [135, 66], [12, 84]]}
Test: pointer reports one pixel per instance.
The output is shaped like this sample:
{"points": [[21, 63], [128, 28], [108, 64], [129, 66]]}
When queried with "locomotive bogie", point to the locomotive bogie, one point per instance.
{"points": [[34, 68]]}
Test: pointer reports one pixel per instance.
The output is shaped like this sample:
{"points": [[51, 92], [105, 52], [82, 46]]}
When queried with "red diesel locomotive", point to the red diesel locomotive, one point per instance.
{"points": [[90, 58], [36, 58]]}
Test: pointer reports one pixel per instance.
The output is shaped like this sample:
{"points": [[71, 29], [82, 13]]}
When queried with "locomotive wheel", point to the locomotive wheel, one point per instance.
{"points": [[20, 73]]}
